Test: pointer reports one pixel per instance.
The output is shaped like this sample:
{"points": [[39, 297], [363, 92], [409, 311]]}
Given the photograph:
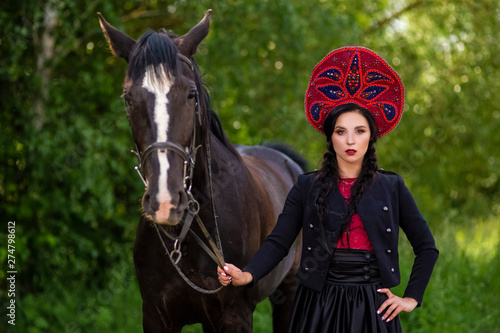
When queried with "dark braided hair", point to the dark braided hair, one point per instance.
{"points": [[328, 175]]}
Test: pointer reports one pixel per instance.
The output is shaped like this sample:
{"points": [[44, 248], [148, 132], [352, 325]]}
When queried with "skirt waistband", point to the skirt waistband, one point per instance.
{"points": [[353, 266]]}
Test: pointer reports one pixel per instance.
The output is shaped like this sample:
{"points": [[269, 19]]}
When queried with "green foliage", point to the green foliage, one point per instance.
{"points": [[461, 295], [67, 178], [114, 307]]}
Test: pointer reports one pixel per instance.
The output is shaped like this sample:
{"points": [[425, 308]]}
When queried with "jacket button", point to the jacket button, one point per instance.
{"points": [[311, 226], [306, 269], [366, 268], [385, 208], [388, 230], [309, 249], [389, 251], [392, 270]]}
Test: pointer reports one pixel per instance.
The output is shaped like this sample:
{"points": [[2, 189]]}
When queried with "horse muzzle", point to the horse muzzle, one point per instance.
{"points": [[168, 211], [168, 214]]}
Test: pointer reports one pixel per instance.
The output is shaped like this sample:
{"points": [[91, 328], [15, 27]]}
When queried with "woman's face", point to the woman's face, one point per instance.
{"points": [[350, 139]]}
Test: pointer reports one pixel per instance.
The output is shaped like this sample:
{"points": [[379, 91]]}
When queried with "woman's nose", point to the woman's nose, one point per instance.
{"points": [[350, 139]]}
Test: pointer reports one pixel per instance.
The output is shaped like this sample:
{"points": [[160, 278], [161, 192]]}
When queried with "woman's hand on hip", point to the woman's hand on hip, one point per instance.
{"points": [[234, 275], [394, 305]]}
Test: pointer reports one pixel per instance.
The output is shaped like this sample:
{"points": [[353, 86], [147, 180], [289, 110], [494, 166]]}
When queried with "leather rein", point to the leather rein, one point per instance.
{"points": [[193, 208]]}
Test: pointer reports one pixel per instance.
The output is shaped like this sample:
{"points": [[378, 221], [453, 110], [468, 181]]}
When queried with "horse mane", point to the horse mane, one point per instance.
{"points": [[214, 122]]}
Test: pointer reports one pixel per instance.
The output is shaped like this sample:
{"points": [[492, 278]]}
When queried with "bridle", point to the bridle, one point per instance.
{"points": [[188, 157], [193, 207]]}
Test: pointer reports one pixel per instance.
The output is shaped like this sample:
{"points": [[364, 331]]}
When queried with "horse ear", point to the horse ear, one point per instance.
{"points": [[188, 43], [120, 43]]}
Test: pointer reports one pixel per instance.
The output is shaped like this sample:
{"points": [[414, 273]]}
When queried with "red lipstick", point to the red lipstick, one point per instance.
{"points": [[350, 152]]}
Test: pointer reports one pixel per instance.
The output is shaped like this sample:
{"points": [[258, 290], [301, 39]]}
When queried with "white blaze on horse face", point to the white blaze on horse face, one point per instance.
{"points": [[160, 88]]}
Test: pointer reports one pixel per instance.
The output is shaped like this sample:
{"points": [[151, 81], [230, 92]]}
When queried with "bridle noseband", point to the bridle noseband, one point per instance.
{"points": [[189, 159], [193, 207]]}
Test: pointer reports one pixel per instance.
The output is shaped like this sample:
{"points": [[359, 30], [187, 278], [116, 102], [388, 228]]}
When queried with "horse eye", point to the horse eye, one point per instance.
{"points": [[192, 93]]}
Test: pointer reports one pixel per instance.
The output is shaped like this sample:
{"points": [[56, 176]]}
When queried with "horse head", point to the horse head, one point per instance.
{"points": [[161, 92]]}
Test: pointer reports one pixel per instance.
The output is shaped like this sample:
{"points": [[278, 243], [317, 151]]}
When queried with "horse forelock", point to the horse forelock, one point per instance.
{"points": [[156, 52]]}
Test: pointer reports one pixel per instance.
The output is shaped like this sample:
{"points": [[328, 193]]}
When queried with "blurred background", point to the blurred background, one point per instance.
{"points": [[67, 177]]}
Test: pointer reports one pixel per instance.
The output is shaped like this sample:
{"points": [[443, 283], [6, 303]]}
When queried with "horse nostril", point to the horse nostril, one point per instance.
{"points": [[147, 203]]}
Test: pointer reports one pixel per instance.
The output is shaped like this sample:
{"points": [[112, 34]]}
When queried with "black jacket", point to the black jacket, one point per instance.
{"points": [[384, 207]]}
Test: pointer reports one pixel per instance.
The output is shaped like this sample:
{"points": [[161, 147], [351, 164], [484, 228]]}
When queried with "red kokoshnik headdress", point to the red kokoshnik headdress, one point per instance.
{"points": [[354, 74]]}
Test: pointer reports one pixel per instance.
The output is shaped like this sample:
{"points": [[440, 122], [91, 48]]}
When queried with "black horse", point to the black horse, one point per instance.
{"points": [[204, 197]]}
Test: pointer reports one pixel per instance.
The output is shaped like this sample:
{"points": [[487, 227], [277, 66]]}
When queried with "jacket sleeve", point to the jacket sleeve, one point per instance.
{"points": [[278, 243], [420, 237]]}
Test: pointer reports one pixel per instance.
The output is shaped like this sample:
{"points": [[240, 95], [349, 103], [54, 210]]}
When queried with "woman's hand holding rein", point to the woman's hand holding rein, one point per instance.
{"points": [[234, 275]]}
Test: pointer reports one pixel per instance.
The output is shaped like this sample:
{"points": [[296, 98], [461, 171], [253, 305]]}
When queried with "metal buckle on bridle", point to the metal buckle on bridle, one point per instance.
{"points": [[193, 204], [176, 254]]}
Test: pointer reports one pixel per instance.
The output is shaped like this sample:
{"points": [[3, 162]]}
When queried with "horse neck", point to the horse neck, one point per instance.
{"points": [[213, 159]]}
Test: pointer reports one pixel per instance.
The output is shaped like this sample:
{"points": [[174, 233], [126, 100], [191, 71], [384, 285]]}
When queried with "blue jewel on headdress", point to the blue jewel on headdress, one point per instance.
{"points": [[332, 92], [372, 92], [374, 76], [353, 82], [315, 111], [389, 111], [332, 73]]}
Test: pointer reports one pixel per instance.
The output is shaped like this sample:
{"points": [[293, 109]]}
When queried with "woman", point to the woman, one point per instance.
{"points": [[349, 212]]}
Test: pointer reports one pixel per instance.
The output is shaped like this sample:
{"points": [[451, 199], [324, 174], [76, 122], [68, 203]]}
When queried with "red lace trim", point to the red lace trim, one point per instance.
{"points": [[358, 239]]}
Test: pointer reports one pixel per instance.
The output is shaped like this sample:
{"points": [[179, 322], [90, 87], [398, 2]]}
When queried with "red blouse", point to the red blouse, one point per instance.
{"points": [[358, 239]]}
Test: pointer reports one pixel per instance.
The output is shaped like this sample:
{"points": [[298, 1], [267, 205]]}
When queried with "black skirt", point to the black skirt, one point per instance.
{"points": [[348, 302]]}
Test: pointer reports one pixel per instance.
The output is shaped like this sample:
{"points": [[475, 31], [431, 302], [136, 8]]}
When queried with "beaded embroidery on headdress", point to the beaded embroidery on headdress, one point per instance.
{"points": [[355, 74]]}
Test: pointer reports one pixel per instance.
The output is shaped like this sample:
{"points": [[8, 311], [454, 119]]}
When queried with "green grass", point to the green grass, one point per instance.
{"points": [[262, 321], [463, 294]]}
